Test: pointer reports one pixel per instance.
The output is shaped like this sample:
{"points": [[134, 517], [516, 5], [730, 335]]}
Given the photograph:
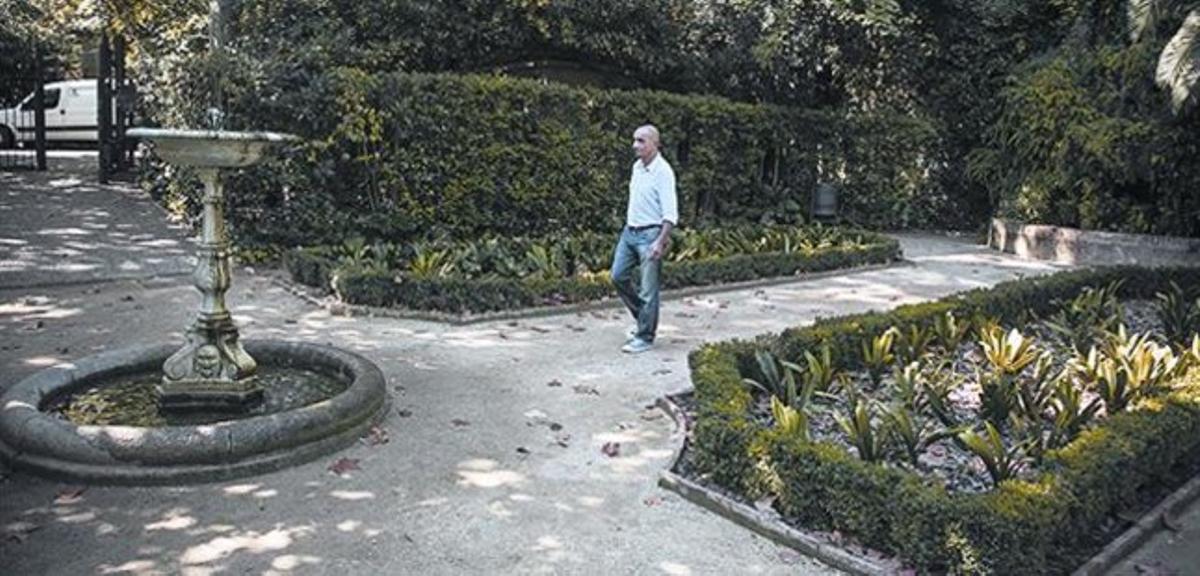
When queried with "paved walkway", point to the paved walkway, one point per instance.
{"points": [[475, 478], [60, 227]]}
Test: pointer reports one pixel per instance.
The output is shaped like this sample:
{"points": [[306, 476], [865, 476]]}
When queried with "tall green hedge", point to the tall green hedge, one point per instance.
{"points": [[396, 156]]}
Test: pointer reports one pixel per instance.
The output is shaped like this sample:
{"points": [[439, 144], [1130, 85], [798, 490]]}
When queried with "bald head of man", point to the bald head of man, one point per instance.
{"points": [[645, 142]]}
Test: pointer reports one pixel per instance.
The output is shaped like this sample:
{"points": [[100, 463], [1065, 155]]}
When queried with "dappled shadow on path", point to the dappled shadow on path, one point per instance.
{"points": [[60, 226]]}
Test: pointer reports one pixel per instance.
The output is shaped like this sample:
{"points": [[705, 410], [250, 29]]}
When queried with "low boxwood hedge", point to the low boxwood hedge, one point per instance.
{"points": [[1041, 526], [381, 286]]}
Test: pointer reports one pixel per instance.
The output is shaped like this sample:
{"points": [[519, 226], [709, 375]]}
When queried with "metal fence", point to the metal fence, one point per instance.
{"points": [[23, 104]]}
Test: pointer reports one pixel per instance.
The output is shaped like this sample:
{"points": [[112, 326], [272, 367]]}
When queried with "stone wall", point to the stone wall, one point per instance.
{"points": [[1089, 247]]}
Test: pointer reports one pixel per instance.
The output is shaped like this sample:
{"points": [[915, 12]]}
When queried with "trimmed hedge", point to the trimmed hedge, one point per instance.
{"points": [[375, 286], [1038, 526], [399, 157]]}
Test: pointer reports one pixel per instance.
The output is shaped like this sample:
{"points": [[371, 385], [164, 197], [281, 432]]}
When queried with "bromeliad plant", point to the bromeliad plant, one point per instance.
{"points": [[1085, 319], [819, 370], [778, 378], [877, 354], [430, 262], [1007, 356], [862, 432], [911, 435], [790, 421], [949, 331], [913, 343], [910, 385], [1071, 413], [1002, 462], [1179, 314], [1127, 368], [1035, 392]]}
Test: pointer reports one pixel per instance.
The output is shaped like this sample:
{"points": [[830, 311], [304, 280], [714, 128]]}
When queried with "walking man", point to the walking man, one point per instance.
{"points": [[651, 214]]}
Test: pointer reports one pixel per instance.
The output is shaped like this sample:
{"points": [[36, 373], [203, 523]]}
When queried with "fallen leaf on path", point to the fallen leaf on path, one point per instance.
{"points": [[539, 329], [660, 372], [575, 328], [460, 422], [376, 436], [1154, 568], [70, 495], [555, 426], [19, 531], [611, 449], [343, 465], [651, 414], [522, 450], [554, 384], [563, 440], [582, 389], [404, 413], [686, 315], [652, 501], [502, 335]]}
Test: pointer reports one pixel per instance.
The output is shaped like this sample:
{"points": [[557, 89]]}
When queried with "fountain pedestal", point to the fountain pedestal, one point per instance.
{"points": [[212, 371]]}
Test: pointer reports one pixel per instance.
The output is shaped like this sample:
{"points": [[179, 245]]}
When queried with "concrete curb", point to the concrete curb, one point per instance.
{"points": [[768, 525], [34, 441], [340, 308], [1145, 527]]}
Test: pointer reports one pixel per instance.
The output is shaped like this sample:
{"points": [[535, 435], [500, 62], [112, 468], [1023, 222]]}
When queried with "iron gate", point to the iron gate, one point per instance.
{"points": [[23, 103]]}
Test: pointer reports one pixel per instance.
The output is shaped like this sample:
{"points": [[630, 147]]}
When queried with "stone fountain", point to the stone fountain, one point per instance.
{"points": [[240, 420], [212, 371]]}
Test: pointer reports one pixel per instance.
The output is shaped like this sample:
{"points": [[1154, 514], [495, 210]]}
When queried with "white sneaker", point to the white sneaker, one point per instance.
{"points": [[636, 346]]}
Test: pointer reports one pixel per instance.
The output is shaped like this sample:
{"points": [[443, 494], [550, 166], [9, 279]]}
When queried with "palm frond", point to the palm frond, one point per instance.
{"points": [[1179, 64], [1143, 16]]}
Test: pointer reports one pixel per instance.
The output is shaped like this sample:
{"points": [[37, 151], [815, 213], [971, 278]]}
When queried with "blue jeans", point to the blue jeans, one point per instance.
{"points": [[633, 249]]}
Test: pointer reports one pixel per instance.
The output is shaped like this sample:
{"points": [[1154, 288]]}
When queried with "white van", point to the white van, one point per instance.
{"points": [[71, 113]]}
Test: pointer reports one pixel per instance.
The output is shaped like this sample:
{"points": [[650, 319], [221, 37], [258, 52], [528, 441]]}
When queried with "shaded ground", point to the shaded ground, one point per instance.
{"points": [[59, 227], [493, 462]]}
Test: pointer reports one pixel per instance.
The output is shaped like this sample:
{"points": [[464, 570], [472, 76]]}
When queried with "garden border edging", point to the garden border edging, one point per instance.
{"points": [[1146, 526], [340, 308]]}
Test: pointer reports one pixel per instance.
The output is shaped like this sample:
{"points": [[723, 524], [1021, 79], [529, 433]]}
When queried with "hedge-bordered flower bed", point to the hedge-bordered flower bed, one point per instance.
{"points": [[372, 283], [1038, 525]]}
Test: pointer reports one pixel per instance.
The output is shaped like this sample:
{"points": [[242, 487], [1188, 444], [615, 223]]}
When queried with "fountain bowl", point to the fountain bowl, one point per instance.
{"points": [[210, 148], [34, 440]]}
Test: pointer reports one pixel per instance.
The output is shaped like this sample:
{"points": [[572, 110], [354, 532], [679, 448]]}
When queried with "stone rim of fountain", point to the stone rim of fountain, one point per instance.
{"points": [[38, 442]]}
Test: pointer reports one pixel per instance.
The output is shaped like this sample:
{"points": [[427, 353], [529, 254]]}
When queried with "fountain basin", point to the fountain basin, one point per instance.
{"points": [[34, 440], [210, 148]]}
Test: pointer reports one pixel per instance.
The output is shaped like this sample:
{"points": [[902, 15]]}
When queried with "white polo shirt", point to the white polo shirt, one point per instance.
{"points": [[652, 194]]}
